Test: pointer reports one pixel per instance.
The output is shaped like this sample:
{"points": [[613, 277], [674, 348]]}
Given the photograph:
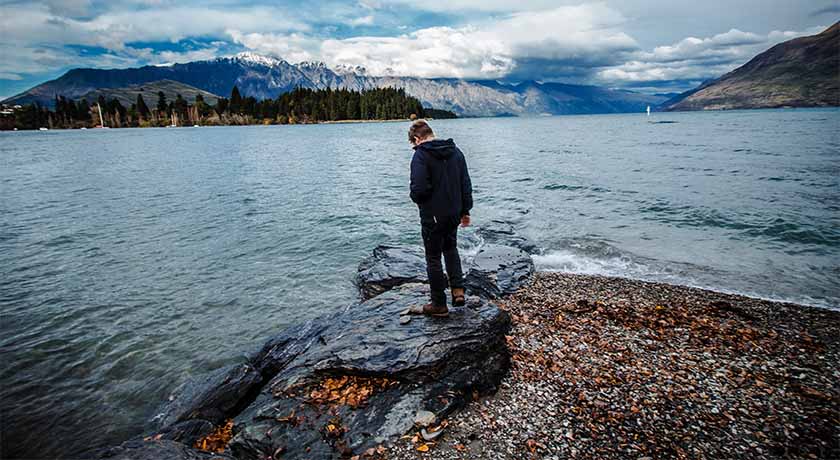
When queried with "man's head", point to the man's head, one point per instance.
{"points": [[420, 132]]}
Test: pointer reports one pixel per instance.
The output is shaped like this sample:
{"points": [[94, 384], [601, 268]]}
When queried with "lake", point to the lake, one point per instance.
{"points": [[132, 260]]}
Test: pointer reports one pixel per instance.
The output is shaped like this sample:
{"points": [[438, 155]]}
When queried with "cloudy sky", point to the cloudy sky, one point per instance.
{"points": [[648, 45]]}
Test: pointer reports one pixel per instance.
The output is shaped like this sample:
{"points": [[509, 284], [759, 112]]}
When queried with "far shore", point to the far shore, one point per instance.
{"points": [[331, 122]]}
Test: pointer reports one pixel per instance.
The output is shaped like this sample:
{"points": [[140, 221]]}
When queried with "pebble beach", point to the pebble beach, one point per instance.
{"points": [[612, 368]]}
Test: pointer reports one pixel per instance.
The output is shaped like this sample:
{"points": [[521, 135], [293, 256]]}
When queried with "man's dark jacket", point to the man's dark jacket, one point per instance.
{"points": [[440, 182]]}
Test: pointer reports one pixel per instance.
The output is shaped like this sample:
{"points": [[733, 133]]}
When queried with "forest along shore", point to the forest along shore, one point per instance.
{"points": [[300, 106], [616, 368]]}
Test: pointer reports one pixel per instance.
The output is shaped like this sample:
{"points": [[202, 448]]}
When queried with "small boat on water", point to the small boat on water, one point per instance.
{"points": [[43, 129], [101, 120]]}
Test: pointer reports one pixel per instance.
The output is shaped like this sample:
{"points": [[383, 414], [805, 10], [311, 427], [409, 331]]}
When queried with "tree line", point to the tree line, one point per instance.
{"points": [[302, 105]]}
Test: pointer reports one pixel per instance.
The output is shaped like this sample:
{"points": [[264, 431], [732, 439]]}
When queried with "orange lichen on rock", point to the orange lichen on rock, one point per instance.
{"points": [[217, 440], [347, 390]]}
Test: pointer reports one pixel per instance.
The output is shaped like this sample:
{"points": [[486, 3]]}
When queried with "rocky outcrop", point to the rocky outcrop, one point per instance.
{"points": [[362, 379], [503, 233], [159, 450], [339, 384], [498, 270], [390, 266], [353, 379]]}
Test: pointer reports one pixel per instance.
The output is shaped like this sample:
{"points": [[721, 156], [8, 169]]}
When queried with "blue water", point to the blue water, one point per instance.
{"points": [[131, 260]]}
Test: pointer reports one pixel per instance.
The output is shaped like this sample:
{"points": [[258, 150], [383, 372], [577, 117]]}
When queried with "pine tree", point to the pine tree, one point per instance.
{"points": [[235, 100], [162, 106], [142, 108], [180, 106]]}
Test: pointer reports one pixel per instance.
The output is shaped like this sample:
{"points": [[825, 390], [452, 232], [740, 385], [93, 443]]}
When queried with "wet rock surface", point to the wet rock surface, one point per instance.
{"points": [[502, 265], [363, 379], [340, 384], [498, 270], [390, 266], [503, 233], [348, 382], [160, 450], [214, 398]]}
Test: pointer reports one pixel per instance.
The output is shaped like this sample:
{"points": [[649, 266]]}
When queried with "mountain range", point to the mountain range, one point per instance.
{"points": [[803, 72], [266, 77]]}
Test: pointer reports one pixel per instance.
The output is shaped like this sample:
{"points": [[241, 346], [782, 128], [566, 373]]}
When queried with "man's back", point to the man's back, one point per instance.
{"points": [[440, 181]]}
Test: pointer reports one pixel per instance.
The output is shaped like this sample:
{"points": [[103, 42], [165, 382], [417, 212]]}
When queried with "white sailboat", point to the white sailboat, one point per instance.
{"points": [[648, 110], [101, 120]]}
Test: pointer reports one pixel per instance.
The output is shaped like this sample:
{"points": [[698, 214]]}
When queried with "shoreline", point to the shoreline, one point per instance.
{"points": [[608, 367], [710, 289], [211, 125]]}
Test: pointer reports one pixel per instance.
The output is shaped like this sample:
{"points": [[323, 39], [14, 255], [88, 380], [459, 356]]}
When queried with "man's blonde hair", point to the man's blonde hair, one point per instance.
{"points": [[419, 130]]}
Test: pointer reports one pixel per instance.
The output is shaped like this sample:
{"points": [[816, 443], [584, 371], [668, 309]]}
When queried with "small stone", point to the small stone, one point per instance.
{"points": [[424, 418], [405, 319], [431, 436]]}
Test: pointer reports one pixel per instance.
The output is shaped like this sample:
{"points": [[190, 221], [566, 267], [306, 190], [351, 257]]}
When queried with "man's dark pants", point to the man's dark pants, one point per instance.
{"points": [[440, 236]]}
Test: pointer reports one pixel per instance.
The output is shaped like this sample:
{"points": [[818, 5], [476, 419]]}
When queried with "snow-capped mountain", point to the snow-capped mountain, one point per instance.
{"points": [[268, 77]]}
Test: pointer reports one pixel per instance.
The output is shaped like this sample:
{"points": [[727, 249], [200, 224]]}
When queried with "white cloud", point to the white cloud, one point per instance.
{"points": [[36, 23], [695, 58], [149, 56], [10, 76], [477, 5], [362, 21], [489, 50], [292, 47], [36, 35]]}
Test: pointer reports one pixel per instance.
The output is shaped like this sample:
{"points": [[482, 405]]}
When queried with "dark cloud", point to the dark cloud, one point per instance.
{"points": [[831, 9]]}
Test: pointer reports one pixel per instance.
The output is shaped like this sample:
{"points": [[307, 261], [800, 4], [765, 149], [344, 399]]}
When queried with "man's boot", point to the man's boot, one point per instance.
{"points": [[458, 299], [429, 309]]}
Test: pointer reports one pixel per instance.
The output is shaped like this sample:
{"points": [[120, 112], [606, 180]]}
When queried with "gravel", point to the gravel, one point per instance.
{"points": [[612, 368]]}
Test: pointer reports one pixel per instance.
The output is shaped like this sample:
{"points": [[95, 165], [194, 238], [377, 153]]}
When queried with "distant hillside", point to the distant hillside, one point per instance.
{"points": [[265, 77], [803, 72], [170, 89]]}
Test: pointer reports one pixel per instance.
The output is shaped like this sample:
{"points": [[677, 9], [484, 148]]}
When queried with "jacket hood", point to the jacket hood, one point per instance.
{"points": [[439, 148]]}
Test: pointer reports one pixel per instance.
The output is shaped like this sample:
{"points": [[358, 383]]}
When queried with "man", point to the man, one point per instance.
{"points": [[441, 187]]}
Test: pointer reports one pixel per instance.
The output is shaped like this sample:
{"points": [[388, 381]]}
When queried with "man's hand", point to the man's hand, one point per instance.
{"points": [[465, 221]]}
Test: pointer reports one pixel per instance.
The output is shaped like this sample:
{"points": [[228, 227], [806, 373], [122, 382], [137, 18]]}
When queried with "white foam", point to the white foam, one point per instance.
{"points": [[624, 267], [566, 261]]}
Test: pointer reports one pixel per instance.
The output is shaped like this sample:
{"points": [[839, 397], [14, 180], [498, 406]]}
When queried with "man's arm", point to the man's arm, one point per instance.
{"points": [[466, 189], [421, 188]]}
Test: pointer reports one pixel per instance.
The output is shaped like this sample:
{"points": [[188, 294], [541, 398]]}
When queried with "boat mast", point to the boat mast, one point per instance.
{"points": [[101, 120]]}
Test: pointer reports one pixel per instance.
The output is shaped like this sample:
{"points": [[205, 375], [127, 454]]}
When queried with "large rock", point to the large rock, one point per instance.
{"points": [[498, 270], [360, 381], [390, 266], [339, 384], [214, 398], [355, 378], [503, 233], [159, 450]]}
